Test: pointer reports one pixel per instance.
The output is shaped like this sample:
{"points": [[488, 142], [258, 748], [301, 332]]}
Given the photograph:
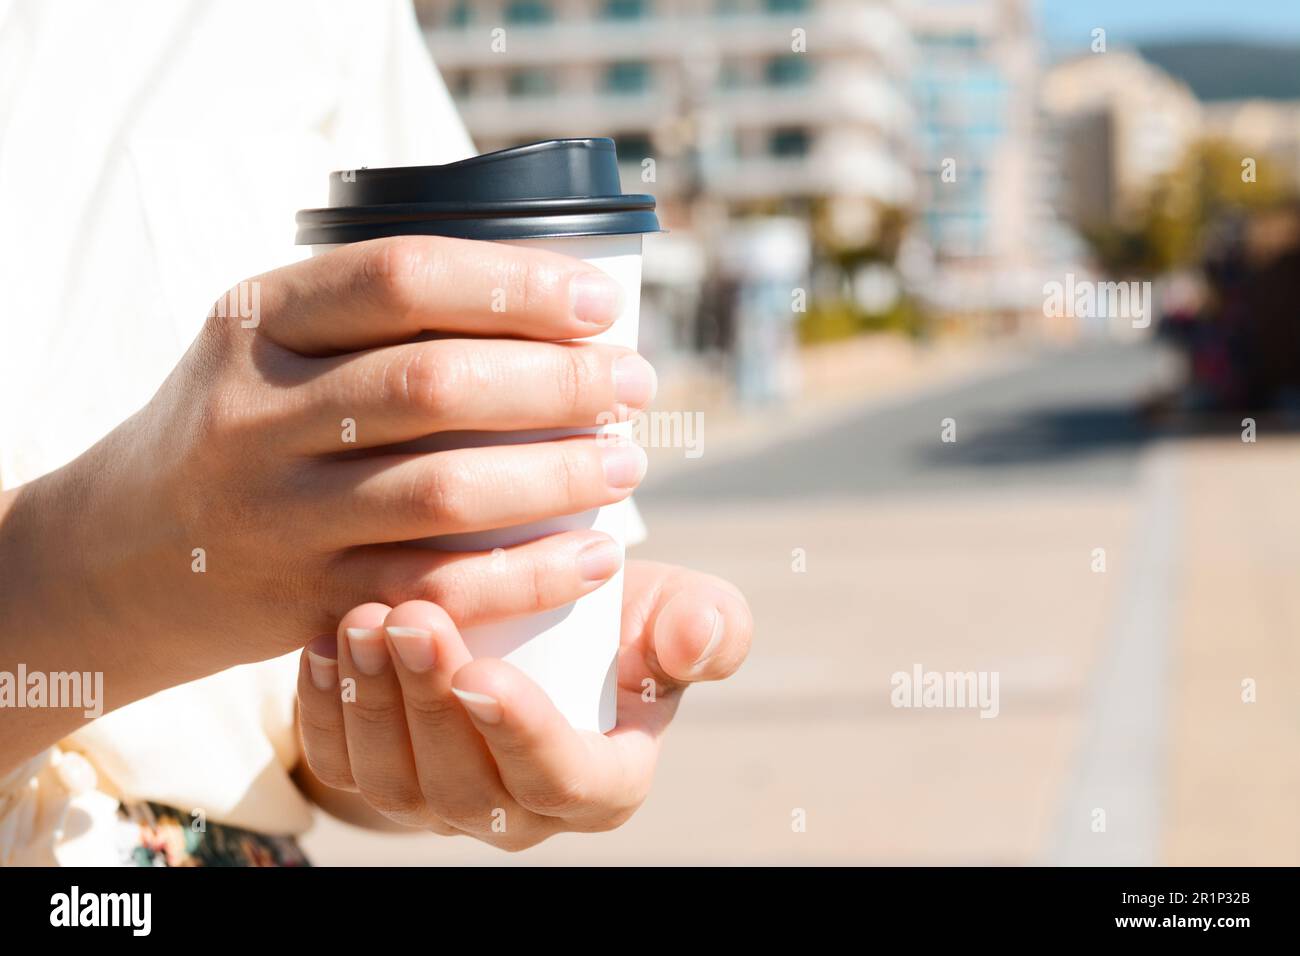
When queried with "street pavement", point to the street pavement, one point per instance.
{"points": [[868, 547]]}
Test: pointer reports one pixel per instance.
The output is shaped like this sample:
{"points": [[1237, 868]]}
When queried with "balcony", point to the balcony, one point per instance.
{"points": [[871, 29], [825, 101], [564, 114], [868, 173]]}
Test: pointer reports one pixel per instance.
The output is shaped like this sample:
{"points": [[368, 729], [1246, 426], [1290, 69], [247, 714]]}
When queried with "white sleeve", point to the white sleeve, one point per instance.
{"points": [[52, 814], [394, 108]]}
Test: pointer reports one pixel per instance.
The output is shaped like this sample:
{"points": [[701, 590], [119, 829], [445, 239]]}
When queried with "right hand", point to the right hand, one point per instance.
{"points": [[241, 453]]}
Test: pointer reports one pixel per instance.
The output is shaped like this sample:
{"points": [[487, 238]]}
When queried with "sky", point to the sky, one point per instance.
{"points": [[1067, 24]]}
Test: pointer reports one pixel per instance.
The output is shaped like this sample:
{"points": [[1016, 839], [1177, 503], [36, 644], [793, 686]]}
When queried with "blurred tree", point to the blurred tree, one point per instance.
{"points": [[878, 242], [1207, 184]]}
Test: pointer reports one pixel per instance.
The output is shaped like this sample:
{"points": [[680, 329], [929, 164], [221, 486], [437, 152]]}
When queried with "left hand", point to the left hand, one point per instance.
{"points": [[437, 740]]}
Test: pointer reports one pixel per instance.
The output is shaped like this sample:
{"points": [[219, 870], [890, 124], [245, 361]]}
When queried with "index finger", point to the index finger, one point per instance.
{"points": [[391, 290]]}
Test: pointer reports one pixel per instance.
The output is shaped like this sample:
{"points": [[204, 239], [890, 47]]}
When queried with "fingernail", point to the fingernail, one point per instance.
{"points": [[624, 465], [715, 638], [595, 298], [599, 560], [484, 708], [366, 644], [635, 382], [415, 647], [322, 661]]}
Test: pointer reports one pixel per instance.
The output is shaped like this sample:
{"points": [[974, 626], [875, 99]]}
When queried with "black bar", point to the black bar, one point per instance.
{"points": [[332, 905]]}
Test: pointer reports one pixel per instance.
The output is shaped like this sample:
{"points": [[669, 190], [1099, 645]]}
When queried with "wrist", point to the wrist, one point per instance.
{"points": [[58, 614]]}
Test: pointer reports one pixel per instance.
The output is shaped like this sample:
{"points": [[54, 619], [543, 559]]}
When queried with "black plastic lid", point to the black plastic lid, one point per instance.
{"points": [[561, 187]]}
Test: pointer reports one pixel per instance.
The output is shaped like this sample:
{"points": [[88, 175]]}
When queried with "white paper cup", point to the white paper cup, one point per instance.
{"points": [[572, 651]]}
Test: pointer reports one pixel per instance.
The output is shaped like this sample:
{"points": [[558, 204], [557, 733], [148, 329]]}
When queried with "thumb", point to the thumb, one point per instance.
{"points": [[701, 630]]}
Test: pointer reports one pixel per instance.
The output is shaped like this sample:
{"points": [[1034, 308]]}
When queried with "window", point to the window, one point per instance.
{"points": [[789, 143], [730, 76], [961, 234], [625, 9], [631, 76], [794, 69], [959, 42], [459, 16], [521, 83], [461, 85], [633, 147], [528, 11]]}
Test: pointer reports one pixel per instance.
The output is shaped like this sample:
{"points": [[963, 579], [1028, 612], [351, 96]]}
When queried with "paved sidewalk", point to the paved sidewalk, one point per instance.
{"points": [[807, 724], [1234, 770], [1110, 680]]}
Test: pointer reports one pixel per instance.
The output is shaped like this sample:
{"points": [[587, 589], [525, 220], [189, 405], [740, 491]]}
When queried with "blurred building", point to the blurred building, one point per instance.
{"points": [[980, 158], [1121, 123], [745, 102], [724, 110], [1271, 128]]}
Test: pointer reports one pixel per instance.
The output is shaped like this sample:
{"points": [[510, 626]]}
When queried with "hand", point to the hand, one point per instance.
{"points": [[242, 454], [436, 740]]}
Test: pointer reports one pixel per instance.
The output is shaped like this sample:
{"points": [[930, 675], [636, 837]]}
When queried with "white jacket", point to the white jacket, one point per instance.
{"points": [[152, 154]]}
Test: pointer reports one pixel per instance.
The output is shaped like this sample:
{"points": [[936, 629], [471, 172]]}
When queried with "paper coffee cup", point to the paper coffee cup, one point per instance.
{"points": [[565, 196]]}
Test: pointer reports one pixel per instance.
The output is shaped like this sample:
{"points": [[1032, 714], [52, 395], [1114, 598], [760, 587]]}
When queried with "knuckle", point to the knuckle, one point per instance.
{"points": [[442, 828], [376, 711], [466, 815], [441, 494], [446, 587], [427, 382], [549, 579], [329, 766], [537, 586], [333, 774], [554, 799], [397, 800], [392, 272], [315, 726], [433, 715], [533, 284], [578, 375], [570, 378], [571, 470]]}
